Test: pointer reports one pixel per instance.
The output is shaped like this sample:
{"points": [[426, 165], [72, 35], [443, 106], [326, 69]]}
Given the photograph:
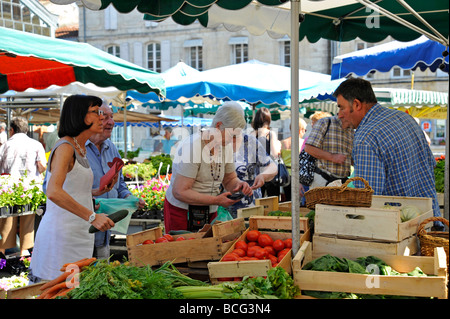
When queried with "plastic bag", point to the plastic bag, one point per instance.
{"points": [[223, 215], [112, 205]]}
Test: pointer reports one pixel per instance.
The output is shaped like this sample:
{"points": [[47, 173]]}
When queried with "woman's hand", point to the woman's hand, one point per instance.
{"points": [[243, 187], [102, 222], [259, 182], [109, 187], [224, 201]]}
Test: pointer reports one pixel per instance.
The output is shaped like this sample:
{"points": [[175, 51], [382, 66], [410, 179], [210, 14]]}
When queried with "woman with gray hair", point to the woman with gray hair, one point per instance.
{"points": [[204, 161]]}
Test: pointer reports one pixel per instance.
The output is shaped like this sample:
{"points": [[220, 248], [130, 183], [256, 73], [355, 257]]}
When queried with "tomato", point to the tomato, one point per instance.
{"points": [[169, 237], [270, 250], [252, 243], [278, 245], [253, 235], [161, 240], [261, 254], [191, 238], [265, 240], [180, 238], [239, 252], [282, 253], [273, 259], [288, 243], [148, 241], [225, 279], [252, 250], [241, 245], [230, 257]]}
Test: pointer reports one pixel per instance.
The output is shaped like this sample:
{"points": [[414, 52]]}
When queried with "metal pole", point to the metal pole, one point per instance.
{"points": [[295, 11]]}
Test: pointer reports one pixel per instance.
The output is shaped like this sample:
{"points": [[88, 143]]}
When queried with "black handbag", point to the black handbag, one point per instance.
{"points": [[307, 167], [282, 179]]}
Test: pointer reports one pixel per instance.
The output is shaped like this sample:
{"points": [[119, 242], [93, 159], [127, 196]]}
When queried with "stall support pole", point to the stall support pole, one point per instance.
{"points": [[295, 198]]}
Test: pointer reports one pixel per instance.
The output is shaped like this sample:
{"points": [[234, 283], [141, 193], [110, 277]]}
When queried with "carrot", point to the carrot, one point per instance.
{"points": [[78, 261], [62, 292], [54, 289], [81, 263], [55, 281]]}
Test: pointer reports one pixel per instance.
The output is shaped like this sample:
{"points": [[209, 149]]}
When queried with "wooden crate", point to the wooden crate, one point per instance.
{"points": [[287, 207], [266, 225], [27, 292], [433, 286], [351, 248], [250, 211], [204, 246], [373, 223], [269, 203]]}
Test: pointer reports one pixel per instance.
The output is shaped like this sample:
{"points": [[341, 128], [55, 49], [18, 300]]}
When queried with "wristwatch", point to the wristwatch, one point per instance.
{"points": [[91, 218]]}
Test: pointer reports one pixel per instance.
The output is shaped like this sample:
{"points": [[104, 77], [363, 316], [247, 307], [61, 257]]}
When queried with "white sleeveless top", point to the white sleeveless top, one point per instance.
{"points": [[63, 237]]}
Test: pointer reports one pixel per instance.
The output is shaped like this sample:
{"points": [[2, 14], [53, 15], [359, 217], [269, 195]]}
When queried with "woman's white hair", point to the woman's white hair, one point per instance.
{"points": [[231, 114]]}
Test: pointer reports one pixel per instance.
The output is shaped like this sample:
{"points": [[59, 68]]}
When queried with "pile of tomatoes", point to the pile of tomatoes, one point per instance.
{"points": [[165, 239], [258, 246]]}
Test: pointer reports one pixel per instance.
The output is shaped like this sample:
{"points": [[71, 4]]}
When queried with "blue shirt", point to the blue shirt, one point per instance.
{"points": [[99, 165], [390, 152]]}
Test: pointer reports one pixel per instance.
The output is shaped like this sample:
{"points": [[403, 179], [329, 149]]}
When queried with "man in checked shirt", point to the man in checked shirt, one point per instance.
{"points": [[389, 148]]}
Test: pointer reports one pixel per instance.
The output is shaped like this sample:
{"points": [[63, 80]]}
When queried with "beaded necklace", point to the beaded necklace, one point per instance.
{"points": [[79, 147]]}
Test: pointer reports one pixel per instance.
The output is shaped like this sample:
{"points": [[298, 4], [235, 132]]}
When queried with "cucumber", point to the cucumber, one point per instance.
{"points": [[115, 217]]}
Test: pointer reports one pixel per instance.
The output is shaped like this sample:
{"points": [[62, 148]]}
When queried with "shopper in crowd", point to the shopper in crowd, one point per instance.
{"points": [[63, 235], [100, 150], [390, 150], [286, 153], [203, 161], [3, 135], [313, 118], [253, 166], [330, 142], [269, 140], [20, 156]]}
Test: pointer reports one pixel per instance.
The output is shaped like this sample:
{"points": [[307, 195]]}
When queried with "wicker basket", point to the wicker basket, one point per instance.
{"points": [[340, 195], [432, 239]]}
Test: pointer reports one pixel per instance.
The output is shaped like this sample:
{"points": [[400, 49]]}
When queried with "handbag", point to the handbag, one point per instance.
{"points": [[282, 179], [307, 167]]}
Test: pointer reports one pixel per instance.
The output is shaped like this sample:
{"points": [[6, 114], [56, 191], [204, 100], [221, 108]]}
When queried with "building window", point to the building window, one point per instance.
{"points": [[114, 50], [397, 73], [239, 49], [15, 15], [286, 53], [194, 53], [154, 57]]}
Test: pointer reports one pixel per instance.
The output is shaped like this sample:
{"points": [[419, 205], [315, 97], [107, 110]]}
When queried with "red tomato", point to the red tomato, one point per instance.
{"points": [[251, 244], [282, 253], [191, 238], [225, 279], [239, 252], [261, 254], [169, 237], [288, 243], [180, 238], [278, 245], [265, 240], [270, 250], [273, 259], [241, 245], [252, 250], [230, 257], [148, 241], [161, 240], [253, 235]]}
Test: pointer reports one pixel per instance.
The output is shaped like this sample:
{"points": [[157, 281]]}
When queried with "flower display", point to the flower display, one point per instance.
{"points": [[20, 191], [13, 282], [152, 192]]}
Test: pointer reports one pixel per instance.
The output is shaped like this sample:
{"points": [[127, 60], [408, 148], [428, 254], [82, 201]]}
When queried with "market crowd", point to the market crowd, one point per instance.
{"points": [[216, 171]]}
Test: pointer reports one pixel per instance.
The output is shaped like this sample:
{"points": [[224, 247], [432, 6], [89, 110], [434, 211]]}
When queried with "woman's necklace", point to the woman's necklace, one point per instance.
{"points": [[83, 152], [215, 167]]}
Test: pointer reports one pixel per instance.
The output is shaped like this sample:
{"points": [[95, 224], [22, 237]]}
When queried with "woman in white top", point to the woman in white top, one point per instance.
{"points": [[203, 161], [62, 236]]}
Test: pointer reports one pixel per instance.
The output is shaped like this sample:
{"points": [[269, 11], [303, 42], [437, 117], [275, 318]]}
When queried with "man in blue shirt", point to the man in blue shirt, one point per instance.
{"points": [[389, 148], [100, 151]]}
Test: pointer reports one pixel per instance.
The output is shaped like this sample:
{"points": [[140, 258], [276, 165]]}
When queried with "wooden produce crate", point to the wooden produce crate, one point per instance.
{"points": [[373, 223], [433, 286], [352, 248], [204, 246], [27, 292], [269, 203], [287, 207], [251, 211], [266, 225]]}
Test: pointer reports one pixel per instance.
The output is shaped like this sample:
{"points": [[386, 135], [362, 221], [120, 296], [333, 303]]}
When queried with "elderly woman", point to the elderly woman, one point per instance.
{"points": [[203, 161]]}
